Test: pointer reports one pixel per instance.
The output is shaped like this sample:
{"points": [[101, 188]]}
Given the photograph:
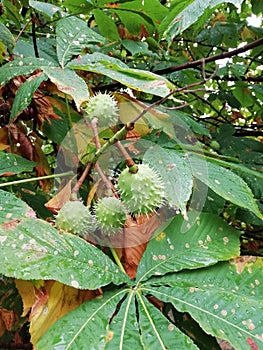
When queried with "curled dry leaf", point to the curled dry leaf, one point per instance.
{"points": [[137, 235]]}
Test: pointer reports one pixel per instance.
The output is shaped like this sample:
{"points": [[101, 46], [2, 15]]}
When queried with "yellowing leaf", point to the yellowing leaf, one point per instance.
{"points": [[49, 303]]}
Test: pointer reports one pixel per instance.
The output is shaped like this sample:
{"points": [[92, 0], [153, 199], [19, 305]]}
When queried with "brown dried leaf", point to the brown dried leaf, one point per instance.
{"points": [[57, 202], [8, 318], [44, 108], [137, 236]]}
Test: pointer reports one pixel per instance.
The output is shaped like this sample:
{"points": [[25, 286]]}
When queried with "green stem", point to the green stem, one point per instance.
{"points": [[17, 182], [117, 260], [117, 137]]}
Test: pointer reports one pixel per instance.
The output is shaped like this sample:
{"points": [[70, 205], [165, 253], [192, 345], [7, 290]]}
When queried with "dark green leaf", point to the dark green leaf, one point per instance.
{"points": [[157, 332], [124, 329], [68, 82], [86, 327], [20, 67], [33, 249], [106, 25], [175, 172], [24, 95], [14, 164], [198, 242], [225, 183], [225, 299], [134, 78], [73, 36], [12, 208], [190, 14]]}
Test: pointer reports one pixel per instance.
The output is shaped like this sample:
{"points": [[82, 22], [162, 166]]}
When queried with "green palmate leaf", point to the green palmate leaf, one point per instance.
{"points": [[68, 82], [73, 36], [12, 208], [87, 327], [20, 67], [225, 299], [184, 246], [6, 37], [187, 13], [33, 249], [176, 174], [14, 164], [225, 183], [115, 69], [48, 9], [106, 25], [124, 329], [157, 332], [24, 95]]}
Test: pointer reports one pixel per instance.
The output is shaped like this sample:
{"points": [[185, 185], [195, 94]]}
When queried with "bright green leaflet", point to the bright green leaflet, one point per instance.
{"points": [[157, 332], [68, 82], [117, 70], [14, 164], [24, 95], [201, 241], [175, 172], [12, 207], [53, 255], [224, 299], [73, 36], [225, 183], [86, 327]]}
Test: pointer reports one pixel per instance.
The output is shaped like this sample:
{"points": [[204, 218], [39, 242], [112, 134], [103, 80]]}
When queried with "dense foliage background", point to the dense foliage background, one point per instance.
{"points": [[187, 77]]}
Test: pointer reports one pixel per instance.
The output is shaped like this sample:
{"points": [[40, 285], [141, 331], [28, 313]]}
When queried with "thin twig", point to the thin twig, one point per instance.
{"points": [[157, 103], [81, 179], [226, 54], [127, 157], [23, 29]]}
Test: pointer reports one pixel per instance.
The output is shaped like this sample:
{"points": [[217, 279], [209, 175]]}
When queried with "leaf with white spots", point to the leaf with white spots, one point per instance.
{"points": [[121, 319], [157, 332], [225, 300], [22, 66], [11, 208], [11, 164], [175, 172], [68, 82], [24, 95], [225, 183], [73, 36], [33, 249], [86, 327], [200, 241], [117, 70]]}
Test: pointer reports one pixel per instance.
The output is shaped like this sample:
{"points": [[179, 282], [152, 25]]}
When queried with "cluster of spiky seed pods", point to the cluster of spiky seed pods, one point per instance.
{"points": [[140, 193], [140, 189]]}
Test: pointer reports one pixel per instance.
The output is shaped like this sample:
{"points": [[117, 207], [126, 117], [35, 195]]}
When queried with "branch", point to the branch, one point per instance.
{"points": [[214, 58]]}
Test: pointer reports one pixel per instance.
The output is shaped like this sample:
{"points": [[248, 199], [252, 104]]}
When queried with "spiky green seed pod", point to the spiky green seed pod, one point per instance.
{"points": [[76, 218], [104, 107], [110, 213], [142, 192]]}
